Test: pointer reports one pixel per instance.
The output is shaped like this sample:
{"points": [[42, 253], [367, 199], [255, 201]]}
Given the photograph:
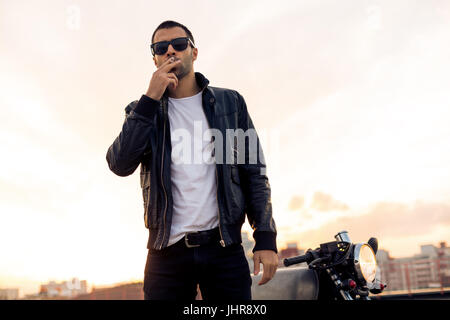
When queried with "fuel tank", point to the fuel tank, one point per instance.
{"points": [[293, 283]]}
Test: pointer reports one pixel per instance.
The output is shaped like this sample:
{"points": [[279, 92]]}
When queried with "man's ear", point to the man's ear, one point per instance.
{"points": [[194, 54]]}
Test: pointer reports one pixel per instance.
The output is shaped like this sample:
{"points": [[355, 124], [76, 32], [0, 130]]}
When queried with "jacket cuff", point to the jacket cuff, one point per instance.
{"points": [[147, 106], [265, 240]]}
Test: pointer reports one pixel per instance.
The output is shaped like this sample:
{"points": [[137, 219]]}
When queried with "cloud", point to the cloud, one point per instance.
{"points": [[384, 220], [296, 203], [325, 202]]}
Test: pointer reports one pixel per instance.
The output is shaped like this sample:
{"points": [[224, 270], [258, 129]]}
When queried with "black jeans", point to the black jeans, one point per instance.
{"points": [[173, 273]]}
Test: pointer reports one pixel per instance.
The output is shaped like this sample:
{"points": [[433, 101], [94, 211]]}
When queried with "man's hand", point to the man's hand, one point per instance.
{"points": [[269, 259], [162, 78]]}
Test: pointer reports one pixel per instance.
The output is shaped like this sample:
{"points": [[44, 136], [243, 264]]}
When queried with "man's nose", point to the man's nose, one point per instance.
{"points": [[170, 51]]}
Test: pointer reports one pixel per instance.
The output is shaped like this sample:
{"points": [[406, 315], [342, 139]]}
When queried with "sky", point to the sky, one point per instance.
{"points": [[350, 100]]}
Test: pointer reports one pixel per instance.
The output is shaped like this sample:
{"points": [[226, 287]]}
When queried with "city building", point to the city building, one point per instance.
{"points": [[429, 269], [124, 291], [9, 294], [65, 289], [127, 291], [290, 251]]}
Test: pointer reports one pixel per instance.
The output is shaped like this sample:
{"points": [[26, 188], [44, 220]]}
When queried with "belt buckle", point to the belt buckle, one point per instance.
{"points": [[187, 242]]}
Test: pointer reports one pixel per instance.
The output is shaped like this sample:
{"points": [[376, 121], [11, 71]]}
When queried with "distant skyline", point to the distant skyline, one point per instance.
{"points": [[29, 288], [350, 100]]}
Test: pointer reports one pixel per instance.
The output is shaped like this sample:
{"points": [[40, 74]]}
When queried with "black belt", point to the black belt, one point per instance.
{"points": [[198, 238]]}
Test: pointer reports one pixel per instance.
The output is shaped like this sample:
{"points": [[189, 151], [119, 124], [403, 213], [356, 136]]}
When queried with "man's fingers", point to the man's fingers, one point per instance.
{"points": [[256, 272], [172, 75], [256, 264], [173, 80], [265, 277], [173, 83], [168, 65], [161, 79], [268, 273], [272, 270], [167, 62]]}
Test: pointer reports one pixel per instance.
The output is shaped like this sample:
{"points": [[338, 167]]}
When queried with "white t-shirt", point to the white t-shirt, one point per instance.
{"points": [[192, 168]]}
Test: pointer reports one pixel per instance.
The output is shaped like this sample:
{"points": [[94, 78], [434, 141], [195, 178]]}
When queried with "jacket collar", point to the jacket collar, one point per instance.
{"points": [[201, 80]]}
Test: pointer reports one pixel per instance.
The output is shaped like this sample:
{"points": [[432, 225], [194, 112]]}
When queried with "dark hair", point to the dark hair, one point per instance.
{"points": [[172, 24]]}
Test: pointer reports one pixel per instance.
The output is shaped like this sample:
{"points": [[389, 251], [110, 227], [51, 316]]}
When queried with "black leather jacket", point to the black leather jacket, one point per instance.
{"points": [[241, 188]]}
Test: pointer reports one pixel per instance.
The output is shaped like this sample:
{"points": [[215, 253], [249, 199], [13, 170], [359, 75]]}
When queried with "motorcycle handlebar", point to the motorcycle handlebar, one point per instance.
{"points": [[308, 257]]}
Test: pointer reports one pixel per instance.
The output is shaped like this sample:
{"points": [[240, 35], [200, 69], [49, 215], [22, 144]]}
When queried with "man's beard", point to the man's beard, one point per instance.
{"points": [[181, 71]]}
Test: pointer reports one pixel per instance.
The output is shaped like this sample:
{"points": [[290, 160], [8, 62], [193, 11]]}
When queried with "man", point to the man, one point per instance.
{"points": [[194, 210]]}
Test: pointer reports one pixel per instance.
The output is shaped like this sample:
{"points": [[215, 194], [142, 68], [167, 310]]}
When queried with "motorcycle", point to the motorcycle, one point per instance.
{"points": [[337, 270]]}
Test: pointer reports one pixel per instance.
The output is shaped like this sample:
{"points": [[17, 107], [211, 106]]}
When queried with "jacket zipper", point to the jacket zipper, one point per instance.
{"points": [[222, 242], [162, 181]]}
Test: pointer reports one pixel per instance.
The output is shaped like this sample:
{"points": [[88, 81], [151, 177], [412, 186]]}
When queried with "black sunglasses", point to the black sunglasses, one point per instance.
{"points": [[179, 44]]}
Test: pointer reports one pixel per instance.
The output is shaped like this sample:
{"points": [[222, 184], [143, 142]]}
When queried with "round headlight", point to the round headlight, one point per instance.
{"points": [[365, 262]]}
